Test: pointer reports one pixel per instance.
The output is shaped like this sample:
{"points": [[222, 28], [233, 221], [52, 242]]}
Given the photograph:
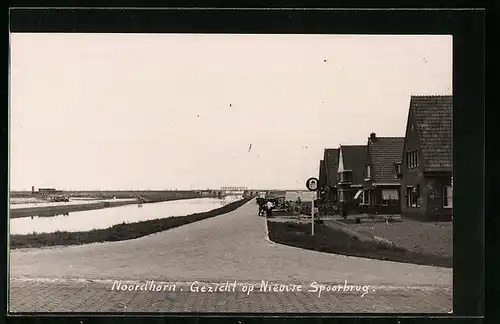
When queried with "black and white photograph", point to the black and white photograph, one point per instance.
{"points": [[230, 173]]}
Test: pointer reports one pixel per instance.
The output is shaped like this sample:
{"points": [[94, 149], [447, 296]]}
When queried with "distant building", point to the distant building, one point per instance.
{"points": [[330, 164], [322, 186], [46, 192], [350, 172], [427, 165], [303, 195], [380, 194]]}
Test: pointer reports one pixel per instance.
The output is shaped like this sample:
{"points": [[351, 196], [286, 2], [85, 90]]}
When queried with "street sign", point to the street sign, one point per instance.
{"points": [[312, 184]]}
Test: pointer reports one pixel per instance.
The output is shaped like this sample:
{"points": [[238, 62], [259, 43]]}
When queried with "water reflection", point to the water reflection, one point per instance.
{"points": [[104, 218]]}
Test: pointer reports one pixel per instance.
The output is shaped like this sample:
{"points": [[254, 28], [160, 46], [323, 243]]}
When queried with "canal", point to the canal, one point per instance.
{"points": [[107, 217]]}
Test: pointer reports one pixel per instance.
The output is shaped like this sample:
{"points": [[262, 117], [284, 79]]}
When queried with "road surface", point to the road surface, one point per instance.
{"points": [[228, 248]]}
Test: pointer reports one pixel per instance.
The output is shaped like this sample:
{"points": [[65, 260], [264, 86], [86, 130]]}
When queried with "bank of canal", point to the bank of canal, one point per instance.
{"points": [[101, 218], [122, 231]]}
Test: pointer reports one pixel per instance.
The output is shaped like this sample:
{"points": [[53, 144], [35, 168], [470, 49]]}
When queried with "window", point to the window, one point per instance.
{"points": [[412, 195], [368, 171], [448, 196], [397, 169], [345, 176], [412, 159], [389, 197]]}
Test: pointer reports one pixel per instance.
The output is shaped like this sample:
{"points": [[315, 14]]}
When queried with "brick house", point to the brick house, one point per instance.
{"points": [[427, 166], [350, 175], [331, 160], [321, 178], [381, 188]]}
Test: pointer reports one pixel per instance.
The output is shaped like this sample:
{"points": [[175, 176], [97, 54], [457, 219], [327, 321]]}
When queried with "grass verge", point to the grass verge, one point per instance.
{"points": [[335, 241], [119, 232]]}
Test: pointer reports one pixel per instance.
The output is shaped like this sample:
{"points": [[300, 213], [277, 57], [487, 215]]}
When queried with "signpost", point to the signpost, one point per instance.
{"points": [[312, 185]]}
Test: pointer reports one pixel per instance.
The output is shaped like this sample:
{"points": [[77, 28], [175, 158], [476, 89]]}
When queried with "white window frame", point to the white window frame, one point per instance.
{"points": [[447, 196], [412, 160], [368, 171], [412, 197]]}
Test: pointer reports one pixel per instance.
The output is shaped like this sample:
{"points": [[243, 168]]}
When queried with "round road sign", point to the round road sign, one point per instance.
{"points": [[312, 184]]}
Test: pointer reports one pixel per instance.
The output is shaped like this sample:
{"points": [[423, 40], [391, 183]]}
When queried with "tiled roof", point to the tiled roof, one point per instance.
{"points": [[354, 157], [383, 152], [331, 159], [434, 123]]}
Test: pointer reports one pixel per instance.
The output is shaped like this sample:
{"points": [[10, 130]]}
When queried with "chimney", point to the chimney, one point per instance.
{"points": [[373, 137], [32, 189]]}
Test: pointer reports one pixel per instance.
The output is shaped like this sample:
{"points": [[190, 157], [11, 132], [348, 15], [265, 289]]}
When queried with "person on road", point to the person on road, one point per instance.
{"points": [[269, 208], [261, 202]]}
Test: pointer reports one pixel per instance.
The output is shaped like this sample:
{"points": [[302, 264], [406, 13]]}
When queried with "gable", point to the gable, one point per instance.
{"points": [[353, 158], [330, 165], [322, 177]]}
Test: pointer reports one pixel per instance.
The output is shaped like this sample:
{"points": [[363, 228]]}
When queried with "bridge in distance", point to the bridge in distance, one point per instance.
{"points": [[245, 191]]}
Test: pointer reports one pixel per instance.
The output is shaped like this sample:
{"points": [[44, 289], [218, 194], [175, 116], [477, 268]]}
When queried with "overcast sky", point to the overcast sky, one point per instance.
{"points": [[165, 111]]}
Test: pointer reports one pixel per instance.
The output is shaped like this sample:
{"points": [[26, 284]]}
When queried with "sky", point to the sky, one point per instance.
{"points": [[194, 111]]}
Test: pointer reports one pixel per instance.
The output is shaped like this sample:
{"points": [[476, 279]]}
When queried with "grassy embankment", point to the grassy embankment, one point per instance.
{"points": [[330, 240], [118, 232]]}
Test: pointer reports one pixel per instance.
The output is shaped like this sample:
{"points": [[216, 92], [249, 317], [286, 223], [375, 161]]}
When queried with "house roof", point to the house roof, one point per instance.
{"points": [[433, 120], [322, 175], [354, 157], [331, 160], [383, 152]]}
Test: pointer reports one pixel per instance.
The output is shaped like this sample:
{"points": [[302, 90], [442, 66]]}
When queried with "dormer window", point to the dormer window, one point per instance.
{"points": [[397, 169], [368, 172]]}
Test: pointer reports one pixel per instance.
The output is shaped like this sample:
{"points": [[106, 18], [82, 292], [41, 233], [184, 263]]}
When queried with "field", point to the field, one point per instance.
{"points": [[421, 237], [26, 200], [109, 194], [335, 240]]}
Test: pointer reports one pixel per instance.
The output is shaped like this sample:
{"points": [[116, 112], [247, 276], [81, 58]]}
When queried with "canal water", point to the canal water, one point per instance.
{"points": [[107, 217], [72, 201]]}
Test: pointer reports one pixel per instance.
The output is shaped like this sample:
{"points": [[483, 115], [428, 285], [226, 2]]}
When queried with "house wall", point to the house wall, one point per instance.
{"points": [[431, 185], [414, 176], [376, 207], [434, 187]]}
